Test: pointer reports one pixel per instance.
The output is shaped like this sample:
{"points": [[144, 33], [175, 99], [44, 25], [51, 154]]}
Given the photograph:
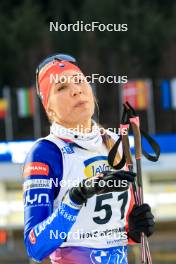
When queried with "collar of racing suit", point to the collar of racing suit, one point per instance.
{"points": [[91, 141]]}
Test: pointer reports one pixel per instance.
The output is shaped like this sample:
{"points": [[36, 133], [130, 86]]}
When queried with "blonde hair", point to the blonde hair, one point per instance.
{"points": [[107, 139], [109, 143]]}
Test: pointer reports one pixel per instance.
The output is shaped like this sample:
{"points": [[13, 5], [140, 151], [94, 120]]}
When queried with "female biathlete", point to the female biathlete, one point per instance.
{"points": [[77, 209]]}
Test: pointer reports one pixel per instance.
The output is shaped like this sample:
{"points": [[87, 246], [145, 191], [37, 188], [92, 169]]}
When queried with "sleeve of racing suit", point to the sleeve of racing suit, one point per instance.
{"points": [[42, 174]]}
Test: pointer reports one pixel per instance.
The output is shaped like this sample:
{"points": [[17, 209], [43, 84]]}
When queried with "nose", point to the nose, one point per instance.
{"points": [[76, 90]]}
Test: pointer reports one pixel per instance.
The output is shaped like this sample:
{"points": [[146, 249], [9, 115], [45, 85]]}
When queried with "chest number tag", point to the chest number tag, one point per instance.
{"points": [[107, 207]]}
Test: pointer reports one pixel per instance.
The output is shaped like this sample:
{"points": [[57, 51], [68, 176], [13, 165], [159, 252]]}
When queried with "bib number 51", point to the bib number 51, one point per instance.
{"points": [[107, 207]]}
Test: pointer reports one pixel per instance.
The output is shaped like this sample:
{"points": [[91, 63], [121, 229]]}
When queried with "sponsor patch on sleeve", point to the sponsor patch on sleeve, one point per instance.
{"points": [[35, 168], [32, 237], [37, 184]]}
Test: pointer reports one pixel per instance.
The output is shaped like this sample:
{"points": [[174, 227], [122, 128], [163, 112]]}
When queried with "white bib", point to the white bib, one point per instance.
{"points": [[100, 220]]}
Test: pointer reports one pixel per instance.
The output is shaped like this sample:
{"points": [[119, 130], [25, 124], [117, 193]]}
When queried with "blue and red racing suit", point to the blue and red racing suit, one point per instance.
{"points": [[54, 225]]}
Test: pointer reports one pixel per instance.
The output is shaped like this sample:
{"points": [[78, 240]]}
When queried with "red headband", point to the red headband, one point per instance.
{"points": [[54, 67]]}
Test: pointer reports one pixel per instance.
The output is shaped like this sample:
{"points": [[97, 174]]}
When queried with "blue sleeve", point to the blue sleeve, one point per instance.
{"points": [[42, 174]]}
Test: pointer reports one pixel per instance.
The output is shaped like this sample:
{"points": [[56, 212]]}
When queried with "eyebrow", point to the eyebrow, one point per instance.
{"points": [[66, 83]]}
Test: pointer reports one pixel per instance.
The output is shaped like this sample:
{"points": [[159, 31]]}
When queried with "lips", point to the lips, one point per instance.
{"points": [[80, 103]]}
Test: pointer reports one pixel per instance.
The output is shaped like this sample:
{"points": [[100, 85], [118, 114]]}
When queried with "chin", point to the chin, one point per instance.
{"points": [[87, 114], [83, 117]]}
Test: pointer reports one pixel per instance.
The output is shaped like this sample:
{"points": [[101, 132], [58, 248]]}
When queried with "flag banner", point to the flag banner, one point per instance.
{"points": [[173, 92], [25, 100], [8, 117], [142, 94], [136, 92], [3, 108], [165, 94]]}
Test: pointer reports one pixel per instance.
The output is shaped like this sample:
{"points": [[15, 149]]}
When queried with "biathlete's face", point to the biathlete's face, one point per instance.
{"points": [[71, 99]]}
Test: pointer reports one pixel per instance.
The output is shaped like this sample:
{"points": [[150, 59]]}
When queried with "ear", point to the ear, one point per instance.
{"points": [[49, 111]]}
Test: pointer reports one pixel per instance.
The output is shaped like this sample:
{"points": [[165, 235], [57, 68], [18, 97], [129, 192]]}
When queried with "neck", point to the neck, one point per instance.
{"points": [[81, 127]]}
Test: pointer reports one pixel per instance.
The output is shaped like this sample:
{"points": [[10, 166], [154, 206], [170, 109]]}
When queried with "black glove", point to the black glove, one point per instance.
{"points": [[140, 220], [107, 181]]}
